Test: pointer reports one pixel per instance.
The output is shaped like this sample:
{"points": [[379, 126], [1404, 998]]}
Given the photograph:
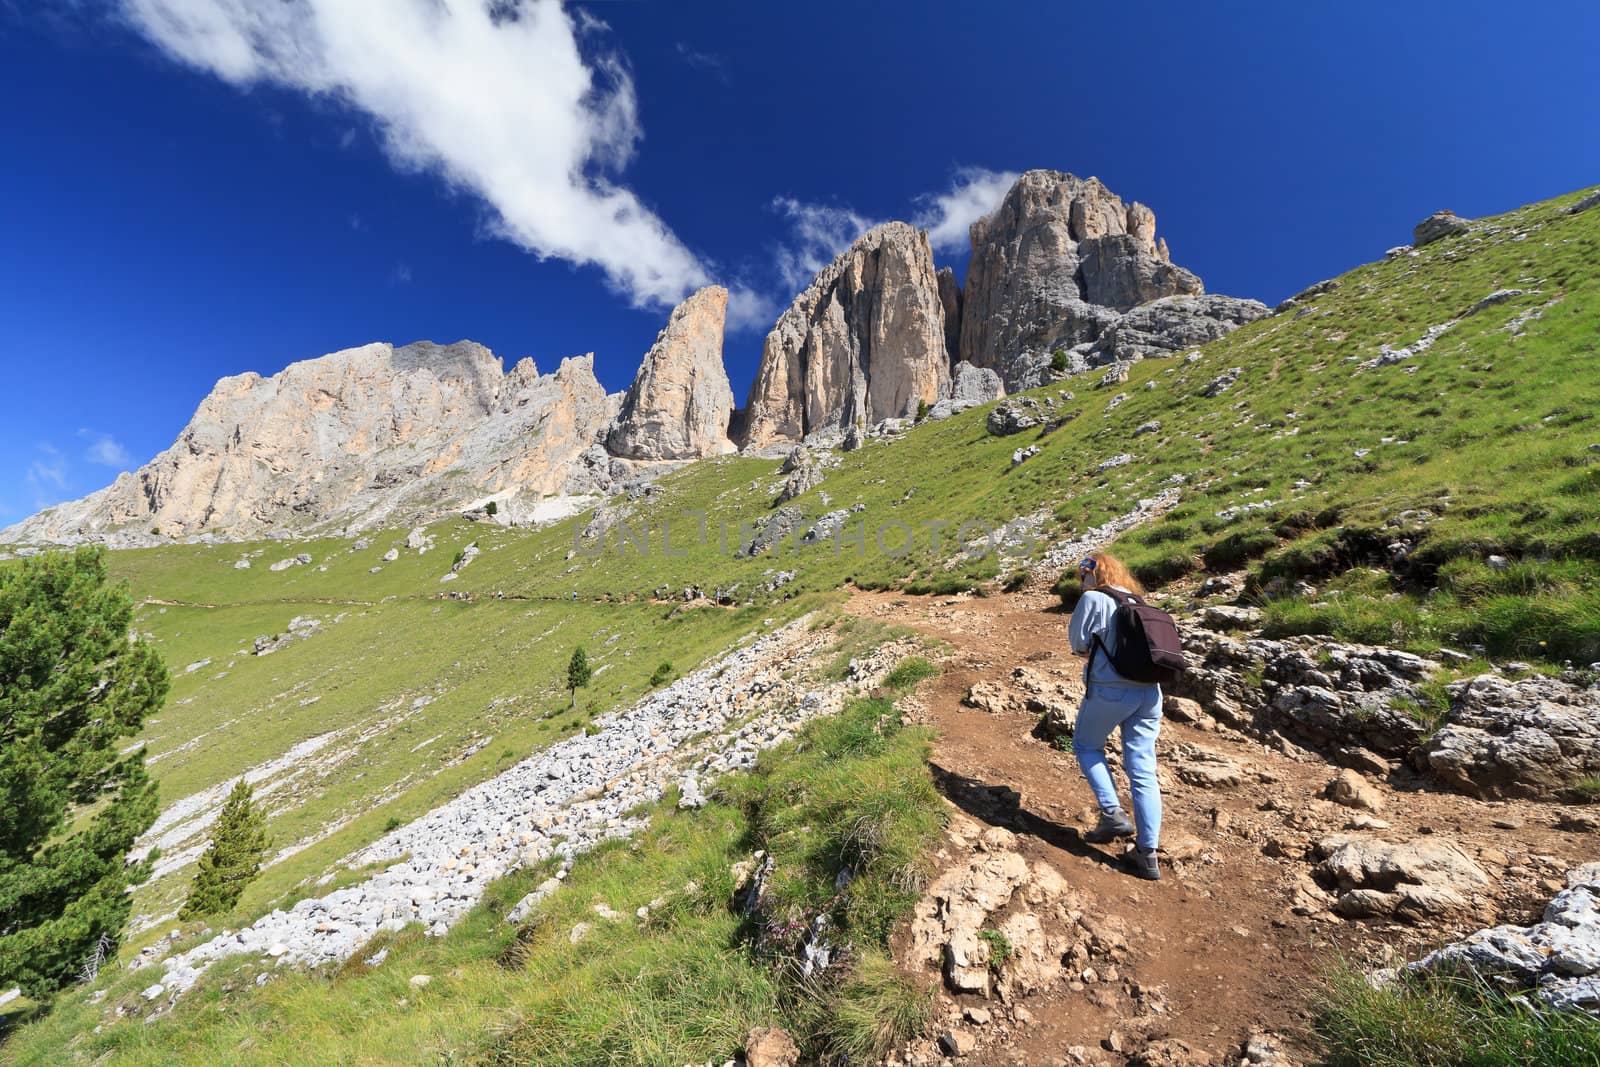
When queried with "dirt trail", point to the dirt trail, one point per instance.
{"points": [[1217, 936]]}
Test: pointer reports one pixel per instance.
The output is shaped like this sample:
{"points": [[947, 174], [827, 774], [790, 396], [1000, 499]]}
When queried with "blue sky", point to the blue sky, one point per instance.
{"points": [[306, 176]]}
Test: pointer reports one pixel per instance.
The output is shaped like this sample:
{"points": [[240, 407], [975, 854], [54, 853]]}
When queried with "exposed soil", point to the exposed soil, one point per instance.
{"points": [[1218, 938]]}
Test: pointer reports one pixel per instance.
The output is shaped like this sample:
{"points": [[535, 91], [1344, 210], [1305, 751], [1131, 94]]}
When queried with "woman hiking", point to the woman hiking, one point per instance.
{"points": [[1109, 701]]}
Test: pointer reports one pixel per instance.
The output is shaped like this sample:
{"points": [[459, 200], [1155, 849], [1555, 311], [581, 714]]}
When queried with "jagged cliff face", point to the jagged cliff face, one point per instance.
{"points": [[356, 438], [680, 402], [864, 342], [1059, 265]]}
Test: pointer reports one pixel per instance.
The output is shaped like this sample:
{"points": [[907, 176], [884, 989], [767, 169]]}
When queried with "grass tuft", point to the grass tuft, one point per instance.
{"points": [[1432, 1021]]}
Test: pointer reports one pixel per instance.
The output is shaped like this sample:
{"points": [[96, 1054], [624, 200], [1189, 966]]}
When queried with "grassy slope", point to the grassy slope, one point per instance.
{"points": [[684, 986], [1496, 443]]}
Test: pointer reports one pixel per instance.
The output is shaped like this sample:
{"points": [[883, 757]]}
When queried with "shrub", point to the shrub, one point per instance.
{"points": [[1058, 361], [922, 410], [234, 858], [661, 675], [491, 509]]}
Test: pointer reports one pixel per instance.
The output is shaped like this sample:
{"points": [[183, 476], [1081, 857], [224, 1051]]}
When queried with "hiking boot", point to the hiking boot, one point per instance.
{"points": [[1142, 863], [1112, 825]]}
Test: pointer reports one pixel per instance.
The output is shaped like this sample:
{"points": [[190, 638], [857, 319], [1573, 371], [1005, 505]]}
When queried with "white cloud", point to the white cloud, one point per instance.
{"points": [[497, 98], [948, 216], [750, 310], [819, 233], [105, 450], [400, 274]]}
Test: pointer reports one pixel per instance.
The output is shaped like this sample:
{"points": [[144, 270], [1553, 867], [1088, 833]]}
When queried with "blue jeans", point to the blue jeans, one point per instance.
{"points": [[1137, 710]]}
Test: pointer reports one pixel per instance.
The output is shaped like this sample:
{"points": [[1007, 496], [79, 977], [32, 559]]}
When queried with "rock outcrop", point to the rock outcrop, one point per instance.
{"points": [[969, 387], [368, 436], [1171, 324], [1557, 959], [680, 402], [1535, 737], [863, 343], [1439, 224], [1059, 265]]}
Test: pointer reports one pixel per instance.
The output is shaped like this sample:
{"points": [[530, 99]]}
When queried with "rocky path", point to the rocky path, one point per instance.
{"points": [[1234, 942]]}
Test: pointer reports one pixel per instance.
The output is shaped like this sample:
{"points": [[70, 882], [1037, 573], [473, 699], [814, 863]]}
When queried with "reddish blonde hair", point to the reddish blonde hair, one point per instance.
{"points": [[1109, 570]]}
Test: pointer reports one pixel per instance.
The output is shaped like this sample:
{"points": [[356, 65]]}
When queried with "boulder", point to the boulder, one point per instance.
{"points": [[770, 1046], [1529, 738], [1204, 768], [1380, 878], [1438, 225], [1353, 791], [1172, 324], [679, 404], [1557, 959], [863, 343]]}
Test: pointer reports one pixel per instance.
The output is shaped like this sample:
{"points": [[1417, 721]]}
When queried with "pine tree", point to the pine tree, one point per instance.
{"points": [[578, 672], [234, 858], [73, 683]]}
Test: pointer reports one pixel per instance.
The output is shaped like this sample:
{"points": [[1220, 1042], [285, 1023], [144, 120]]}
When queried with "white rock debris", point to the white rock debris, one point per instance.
{"points": [[561, 801]]}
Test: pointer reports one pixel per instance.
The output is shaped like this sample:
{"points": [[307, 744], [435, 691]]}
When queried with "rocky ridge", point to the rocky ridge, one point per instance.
{"points": [[383, 435], [362, 438]]}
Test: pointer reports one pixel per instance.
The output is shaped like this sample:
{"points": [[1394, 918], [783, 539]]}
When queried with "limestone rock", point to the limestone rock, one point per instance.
{"points": [[770, 1046], [969, 387], [1439, 224], [1528, 738], [1353, 791], [1557, 958], [863, 343], [1382, 878], [950, 300], [1171, 324], [369, 436], [679, 404], [1052, 268]]}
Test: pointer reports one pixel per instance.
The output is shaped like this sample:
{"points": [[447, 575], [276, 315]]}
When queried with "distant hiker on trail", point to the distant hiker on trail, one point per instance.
{"points": [[1112, 700]]}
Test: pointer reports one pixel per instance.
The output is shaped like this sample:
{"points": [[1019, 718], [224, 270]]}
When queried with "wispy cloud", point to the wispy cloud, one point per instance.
{"points": [[517, 102], [48, 468], [400, 274], [948, 216], [818, 233], [347, 139], [105, 450], [46, 476], [709, 62]]}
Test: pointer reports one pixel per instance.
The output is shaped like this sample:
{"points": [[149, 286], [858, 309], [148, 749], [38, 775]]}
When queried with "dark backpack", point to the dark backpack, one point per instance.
{"points": [[1148, 647]]}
